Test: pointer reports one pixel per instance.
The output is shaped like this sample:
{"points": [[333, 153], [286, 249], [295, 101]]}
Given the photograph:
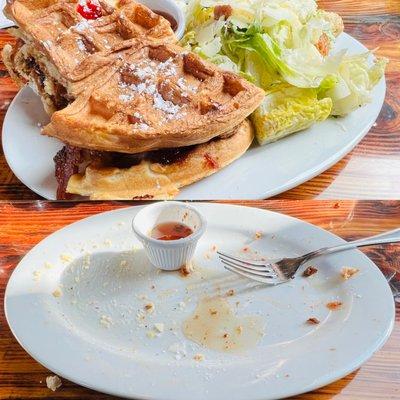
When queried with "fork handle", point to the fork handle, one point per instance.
{"points": [[385, 237]]}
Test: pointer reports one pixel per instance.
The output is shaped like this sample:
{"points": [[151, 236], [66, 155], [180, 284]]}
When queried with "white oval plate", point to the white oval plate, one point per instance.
{"points": [[262, 172], [65, 334]]}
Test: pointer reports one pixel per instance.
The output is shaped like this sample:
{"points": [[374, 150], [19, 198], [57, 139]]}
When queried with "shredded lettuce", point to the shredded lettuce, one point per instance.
{"points": [[356, 78], [284, 47]]}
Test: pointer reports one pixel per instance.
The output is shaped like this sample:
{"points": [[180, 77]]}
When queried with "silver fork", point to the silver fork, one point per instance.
{"points": [[286, 268]]}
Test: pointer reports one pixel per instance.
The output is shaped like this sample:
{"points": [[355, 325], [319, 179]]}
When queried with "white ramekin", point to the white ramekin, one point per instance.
{"points": [[170, 7], [172, 254]]}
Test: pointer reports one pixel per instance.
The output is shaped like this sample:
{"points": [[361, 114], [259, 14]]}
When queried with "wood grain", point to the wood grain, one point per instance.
{"points": [[24, 224], [370, 171]]}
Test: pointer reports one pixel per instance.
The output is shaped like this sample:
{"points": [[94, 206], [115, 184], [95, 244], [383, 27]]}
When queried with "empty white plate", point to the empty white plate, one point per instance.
{"points": [[75, 303], [261, 172]]}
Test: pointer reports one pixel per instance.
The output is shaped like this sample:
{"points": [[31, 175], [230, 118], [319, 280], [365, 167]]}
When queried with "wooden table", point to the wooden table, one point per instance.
{"points": [[26, 223], [371, 171]]}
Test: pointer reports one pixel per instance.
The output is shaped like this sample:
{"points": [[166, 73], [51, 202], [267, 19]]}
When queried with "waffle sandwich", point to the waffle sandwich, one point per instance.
{"points": [[140, 116]]}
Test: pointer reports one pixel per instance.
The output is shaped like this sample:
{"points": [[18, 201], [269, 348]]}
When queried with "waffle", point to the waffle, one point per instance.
{"points": [[120, 83], [154, 175]]}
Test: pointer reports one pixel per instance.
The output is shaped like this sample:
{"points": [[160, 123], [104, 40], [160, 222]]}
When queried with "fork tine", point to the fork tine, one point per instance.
{"points": [[249, 275], [264, 268], [248, 267], [264, 273], [243, 264], [237, 259]]}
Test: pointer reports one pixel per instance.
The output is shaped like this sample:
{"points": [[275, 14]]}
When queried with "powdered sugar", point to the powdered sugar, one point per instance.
{"points": [[82, 26], [165, 105]]}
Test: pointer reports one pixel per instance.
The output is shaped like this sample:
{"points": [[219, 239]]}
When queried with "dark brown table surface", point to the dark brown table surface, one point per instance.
{"points": [[24, 224], [370, 171]]}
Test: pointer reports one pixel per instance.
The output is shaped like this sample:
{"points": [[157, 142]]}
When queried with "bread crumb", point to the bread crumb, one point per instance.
{"points": [[239, 330], [149, 307], [159, 327], [334, 305], [313, 321], [37, 275], [123, 263], [151, 334], [258, 235], [186, 270], [57, 293], [230, 292], [198, 357], [106, 321], [53, 382], [48, 265], [66, 257], [348, 272], [310, 271]]}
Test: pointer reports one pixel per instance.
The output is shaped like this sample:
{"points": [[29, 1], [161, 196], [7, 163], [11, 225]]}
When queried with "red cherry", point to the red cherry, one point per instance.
{"points": [[89, 9]]}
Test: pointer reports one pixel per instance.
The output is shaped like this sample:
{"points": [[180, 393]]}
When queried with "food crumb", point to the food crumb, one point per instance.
{"points": [[334, 305], [186, 270], [36, 275], [57, 293], [151, 334], [149, 307], [230, 292], [53, 382], [159, 327], [348, 272], [123, 263], [239, 330], [106, 321], [313, 321], [310, 271], [48, 265], [258, 235], [198, 357], [66, 257]]}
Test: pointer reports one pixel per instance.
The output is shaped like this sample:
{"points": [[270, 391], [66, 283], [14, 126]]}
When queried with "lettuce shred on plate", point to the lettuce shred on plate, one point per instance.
{"points": [[283, 46]]}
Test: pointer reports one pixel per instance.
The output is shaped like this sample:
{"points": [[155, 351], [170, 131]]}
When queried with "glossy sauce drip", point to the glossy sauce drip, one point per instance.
{"points": [[170, 231], [214, 325], [172, 21]]}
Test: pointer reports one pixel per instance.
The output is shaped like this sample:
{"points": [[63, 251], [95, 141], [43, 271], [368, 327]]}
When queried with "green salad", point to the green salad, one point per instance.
{"points": [[283, 46]]}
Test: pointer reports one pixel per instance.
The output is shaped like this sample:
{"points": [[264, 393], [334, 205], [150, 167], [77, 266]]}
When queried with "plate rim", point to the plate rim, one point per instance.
{"points": [[318, 383], [293, 182]]}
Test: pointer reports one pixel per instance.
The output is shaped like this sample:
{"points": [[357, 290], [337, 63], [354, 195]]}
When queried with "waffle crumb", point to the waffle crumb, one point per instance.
{"points": [[53, 382], [186, 270], [348, 272], [57, 293], [334, 305], [310, 271], [37, 275], [198, 357], [66, 257], [105, 321], [151, 334], [313, 321], [149, 307]]}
